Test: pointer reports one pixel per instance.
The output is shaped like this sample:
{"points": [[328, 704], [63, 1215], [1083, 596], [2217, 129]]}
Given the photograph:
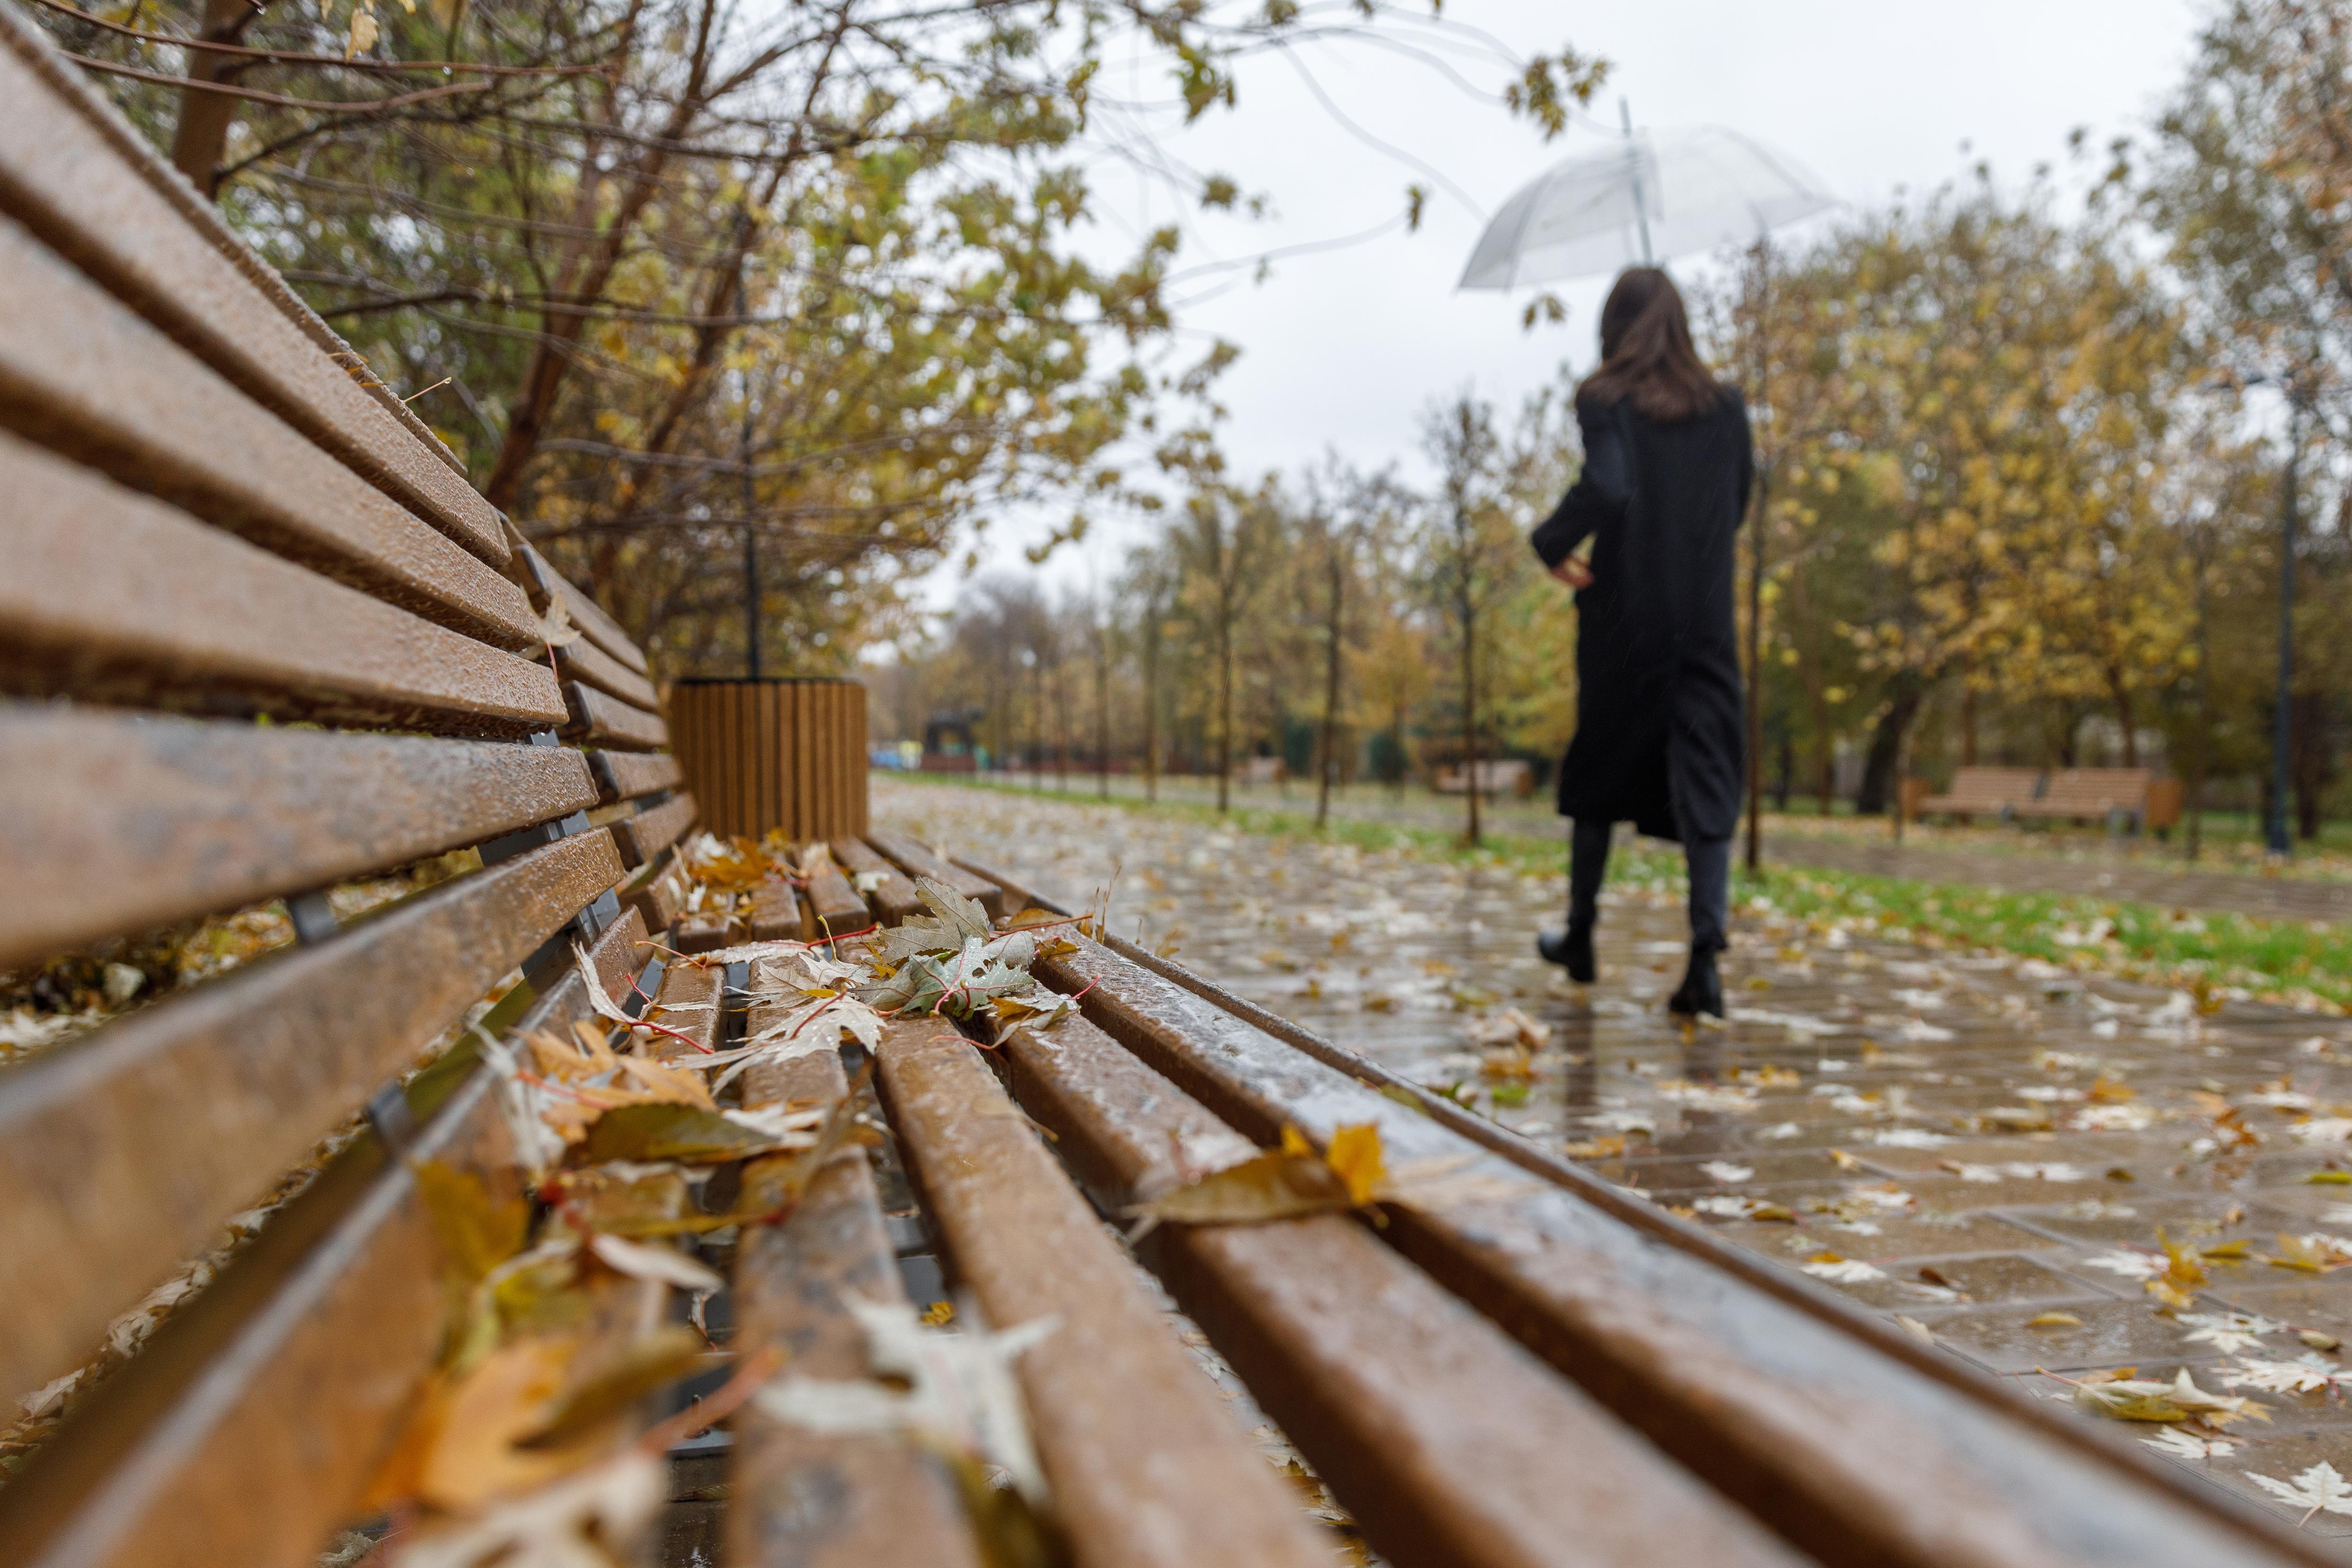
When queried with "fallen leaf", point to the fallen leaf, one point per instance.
{"points": [[2137, 1399], [648, 1364], [1277, 1184], [2053, 1320], [957, 1391], [647, 1260], [2316, 1489], [590, 1519], [669, 1132]]}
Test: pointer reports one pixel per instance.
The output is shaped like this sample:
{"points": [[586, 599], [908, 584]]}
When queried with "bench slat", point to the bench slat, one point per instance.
{"points": [[72, 187], [647, 834], [887, 1504], [831, 906], [81, 374], [586, 662], [776, 912], [893, 899], [123, 1153], [547, 586], [656, 894], [622, 774], [918, 861], [1113, 1384], [188, 1459], [1847, 1452], [593, 718], [163, 610], [120, 823], [1448, 1442]]}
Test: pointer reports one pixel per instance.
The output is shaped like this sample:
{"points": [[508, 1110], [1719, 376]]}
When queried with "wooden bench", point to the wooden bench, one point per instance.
{"points": [[1984, 792], [213, 526], [2133, 797]]}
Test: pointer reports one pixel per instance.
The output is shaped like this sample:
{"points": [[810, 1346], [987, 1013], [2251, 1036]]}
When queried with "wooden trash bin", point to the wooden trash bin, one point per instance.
{"points": [[764, 755]]}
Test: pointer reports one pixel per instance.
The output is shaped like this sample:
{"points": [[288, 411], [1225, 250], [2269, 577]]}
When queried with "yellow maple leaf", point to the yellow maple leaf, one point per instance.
{"points": [[1355, 1158]]}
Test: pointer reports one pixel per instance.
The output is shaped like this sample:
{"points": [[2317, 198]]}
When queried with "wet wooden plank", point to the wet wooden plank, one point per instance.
{"points": [[120, 823], [1132, 1435], [124, 1151], [586, 662], [801, 1500], [594, 718], [656, 893], [700, 933], [643, 836], [688, 1004], [244, 1433], [1846, 1452], [1449, 1443], [164, 611], [547, 588], [892, 897], [81, 374], [80, 195], [830, 906], [621, 776], [917, 860], [775, 913]]}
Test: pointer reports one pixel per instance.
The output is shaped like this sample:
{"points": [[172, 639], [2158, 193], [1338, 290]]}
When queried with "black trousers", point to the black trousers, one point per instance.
{"points": [[1709, 860]]}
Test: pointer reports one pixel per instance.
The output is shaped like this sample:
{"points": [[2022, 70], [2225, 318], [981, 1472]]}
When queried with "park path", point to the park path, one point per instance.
{"points": [[2133, 872], [1993, 1149]]}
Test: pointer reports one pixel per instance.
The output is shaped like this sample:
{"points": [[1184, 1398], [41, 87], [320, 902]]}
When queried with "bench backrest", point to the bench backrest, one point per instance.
{"points": [[1995, 786], [2099, 790], [258, 640]]}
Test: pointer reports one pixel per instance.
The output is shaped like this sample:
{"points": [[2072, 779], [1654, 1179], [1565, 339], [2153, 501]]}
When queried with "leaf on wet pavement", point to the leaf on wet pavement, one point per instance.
{"points": [[2141, 1399], [2053, 1320], [2317, 1489], [1839, 1269], [2183, 1445]]}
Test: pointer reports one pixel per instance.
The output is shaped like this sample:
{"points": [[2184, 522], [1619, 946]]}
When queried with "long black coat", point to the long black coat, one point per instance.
{"points": [[1659, 735]]}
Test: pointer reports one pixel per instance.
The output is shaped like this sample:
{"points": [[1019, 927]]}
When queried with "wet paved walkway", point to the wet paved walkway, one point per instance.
{"points": [[1996, 858], [1994, 1149]]}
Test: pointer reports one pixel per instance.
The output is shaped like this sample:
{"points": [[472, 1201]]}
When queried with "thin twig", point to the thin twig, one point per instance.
{"points": [[195, 84]]}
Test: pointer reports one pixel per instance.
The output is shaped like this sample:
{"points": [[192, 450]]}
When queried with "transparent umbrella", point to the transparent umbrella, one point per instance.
{"points": [[1651, 194]]}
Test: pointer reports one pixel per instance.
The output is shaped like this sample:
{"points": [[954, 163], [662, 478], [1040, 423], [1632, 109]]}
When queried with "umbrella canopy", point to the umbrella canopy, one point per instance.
{"points": [[1651, 194]]}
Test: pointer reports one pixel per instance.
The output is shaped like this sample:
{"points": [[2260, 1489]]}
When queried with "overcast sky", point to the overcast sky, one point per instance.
{"points": [[1343, 348]]}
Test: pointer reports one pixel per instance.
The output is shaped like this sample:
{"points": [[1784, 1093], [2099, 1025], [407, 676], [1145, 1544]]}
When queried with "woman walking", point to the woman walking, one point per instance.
{"points": [[1667, 466]]}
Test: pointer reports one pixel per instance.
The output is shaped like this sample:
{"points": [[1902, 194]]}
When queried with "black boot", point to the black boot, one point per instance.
{"points": [[1702, 988], [1572, 948]]}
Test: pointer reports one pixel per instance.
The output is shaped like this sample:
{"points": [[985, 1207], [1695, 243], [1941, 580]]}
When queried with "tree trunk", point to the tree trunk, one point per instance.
{"points": [[1904, 696], [1968, 723], [1102, 714], [202, 134], [1328, 744], [1470, 714], [1224, 718], [1152, 703], [2124, 717]]}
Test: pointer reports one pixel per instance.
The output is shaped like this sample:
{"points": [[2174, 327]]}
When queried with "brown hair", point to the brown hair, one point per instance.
{"points": [[1646, 352]]}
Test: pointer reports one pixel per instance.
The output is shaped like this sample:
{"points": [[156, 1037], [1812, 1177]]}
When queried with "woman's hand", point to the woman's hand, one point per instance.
{"points": [[1575, 571]]}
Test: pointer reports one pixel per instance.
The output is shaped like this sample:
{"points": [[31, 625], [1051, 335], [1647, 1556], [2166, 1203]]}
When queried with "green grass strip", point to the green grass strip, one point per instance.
{"points": [[2205, 951]]}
